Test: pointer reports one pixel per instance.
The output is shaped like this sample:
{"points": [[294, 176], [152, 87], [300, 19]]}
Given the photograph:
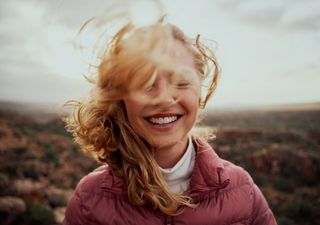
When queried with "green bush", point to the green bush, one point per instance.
{"points": [[39, 214], [12, 169], [4, 182], [51, 156], [31, 172], [285, 221], [20, 150], [283, 184], [308, 180], [58, 201], [75, 177], [297, 210], [259, 178]]}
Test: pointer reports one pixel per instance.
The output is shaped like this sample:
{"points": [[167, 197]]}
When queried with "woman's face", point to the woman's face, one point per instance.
{"points": [[167, 121]]}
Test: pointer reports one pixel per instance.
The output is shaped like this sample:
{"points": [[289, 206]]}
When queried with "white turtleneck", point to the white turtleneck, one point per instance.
{"points": [[179, 176]]}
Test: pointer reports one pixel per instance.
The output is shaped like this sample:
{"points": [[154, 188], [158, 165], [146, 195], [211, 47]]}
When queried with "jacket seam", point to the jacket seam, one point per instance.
{"points": [[266, 210], [202, 196], [219, 192], [78, 195]]}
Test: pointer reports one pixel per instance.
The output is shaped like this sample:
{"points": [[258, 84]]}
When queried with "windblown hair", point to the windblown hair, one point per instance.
{"points": [[100, 125]]}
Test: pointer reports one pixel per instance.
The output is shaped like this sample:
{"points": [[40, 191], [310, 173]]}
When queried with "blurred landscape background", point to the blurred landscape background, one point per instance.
{"points": [[279, 146]]}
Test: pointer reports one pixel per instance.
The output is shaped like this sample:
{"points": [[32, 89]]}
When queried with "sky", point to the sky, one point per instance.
{"points": [[268, 51]]}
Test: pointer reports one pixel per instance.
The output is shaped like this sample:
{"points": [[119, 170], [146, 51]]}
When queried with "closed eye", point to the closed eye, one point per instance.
{"points": [[182, 85]]}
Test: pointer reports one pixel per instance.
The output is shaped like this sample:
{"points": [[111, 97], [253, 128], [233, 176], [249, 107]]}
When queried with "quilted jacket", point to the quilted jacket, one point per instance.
{"points": [[225, 194]]}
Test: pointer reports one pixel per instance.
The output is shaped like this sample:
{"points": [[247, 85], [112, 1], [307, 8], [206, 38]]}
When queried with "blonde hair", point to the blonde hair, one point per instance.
{"points": [[100, 125]]}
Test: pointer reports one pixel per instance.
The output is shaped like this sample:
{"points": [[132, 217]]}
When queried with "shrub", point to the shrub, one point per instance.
{"points": [[51, 156], [259, 178], [283, 184], [4, 182], [285, 221], [2, 133], [297, 209], [75, 177], [308, 180], [20, 150], [39, 214], [12, 169], [58, 200], [31, 172]]}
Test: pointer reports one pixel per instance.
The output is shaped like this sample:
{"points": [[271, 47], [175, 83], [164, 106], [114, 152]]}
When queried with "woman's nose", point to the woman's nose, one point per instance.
{"points": [[164, 92]]}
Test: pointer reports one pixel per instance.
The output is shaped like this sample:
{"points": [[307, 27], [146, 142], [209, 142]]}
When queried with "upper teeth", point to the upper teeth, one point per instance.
{"points": [[163, 120]]}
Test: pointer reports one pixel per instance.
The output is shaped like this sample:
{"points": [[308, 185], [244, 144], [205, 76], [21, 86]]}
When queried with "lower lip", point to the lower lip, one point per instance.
{"points": [[164, 127]]}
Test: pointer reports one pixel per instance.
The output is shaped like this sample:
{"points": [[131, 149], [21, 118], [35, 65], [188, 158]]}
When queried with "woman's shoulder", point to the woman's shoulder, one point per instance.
{"points": [[238, 175], [96, 181], [242, 186], [87, 198], [212, 167]]}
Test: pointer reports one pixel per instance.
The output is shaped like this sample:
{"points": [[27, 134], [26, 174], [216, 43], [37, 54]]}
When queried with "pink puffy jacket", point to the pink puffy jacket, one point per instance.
{"points": [[226, 195]]}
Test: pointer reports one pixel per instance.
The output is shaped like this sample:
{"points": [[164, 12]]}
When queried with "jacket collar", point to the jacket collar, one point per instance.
{"points": [[208, 172]]}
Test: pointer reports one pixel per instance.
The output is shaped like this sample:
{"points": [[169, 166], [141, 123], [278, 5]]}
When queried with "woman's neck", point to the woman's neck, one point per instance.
{"points": [[169, 155]]}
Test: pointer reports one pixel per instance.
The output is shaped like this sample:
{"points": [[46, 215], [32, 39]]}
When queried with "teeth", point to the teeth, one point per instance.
{"points": [[163, 120]]}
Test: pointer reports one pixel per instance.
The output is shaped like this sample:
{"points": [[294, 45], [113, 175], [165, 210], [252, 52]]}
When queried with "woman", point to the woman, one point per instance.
{"points": [[137, 122]]}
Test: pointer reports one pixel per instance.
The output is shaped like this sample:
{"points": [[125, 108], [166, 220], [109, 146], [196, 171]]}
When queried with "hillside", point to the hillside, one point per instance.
{"points": [[39, 168], [40, 165], [280, 149]]}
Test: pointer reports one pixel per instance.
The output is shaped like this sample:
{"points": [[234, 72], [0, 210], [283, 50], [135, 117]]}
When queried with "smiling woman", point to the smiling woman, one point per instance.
{"points": [[151, 82]]}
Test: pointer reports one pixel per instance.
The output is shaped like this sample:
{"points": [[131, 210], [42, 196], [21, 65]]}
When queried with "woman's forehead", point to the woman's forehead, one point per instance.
{"points": [[179, 73], [158, 45], [175, 52]]}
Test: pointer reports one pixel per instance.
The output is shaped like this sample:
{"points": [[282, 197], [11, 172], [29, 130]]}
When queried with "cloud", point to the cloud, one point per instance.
{"points": [[282, 14], [37, 59], [21, 30], [303, 15], [25, 65], [37, 62], [74, 13], [42, 88]]}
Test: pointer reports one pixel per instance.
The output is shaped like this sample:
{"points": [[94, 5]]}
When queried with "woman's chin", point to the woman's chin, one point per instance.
{"points": [[168, 143]]}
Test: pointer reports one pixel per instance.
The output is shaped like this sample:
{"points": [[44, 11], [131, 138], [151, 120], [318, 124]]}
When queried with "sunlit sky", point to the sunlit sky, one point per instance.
{"points": [[269, 51]]}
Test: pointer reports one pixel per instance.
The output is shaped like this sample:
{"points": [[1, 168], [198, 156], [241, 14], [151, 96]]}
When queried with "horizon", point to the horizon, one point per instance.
{"points": [[239, 107]]}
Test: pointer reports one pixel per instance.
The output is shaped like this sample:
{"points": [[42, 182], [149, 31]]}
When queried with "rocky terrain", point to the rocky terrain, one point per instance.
{"points": [[39, 168], [281, 151], [40, 165]]}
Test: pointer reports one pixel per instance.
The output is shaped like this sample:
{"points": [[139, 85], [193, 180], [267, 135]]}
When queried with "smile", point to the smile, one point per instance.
{"points": [[163, 120]]}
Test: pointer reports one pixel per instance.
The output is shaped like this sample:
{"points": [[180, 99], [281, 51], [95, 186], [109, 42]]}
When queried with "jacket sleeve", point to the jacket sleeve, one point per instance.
{"points": [[261, 213], [73, 215]]}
